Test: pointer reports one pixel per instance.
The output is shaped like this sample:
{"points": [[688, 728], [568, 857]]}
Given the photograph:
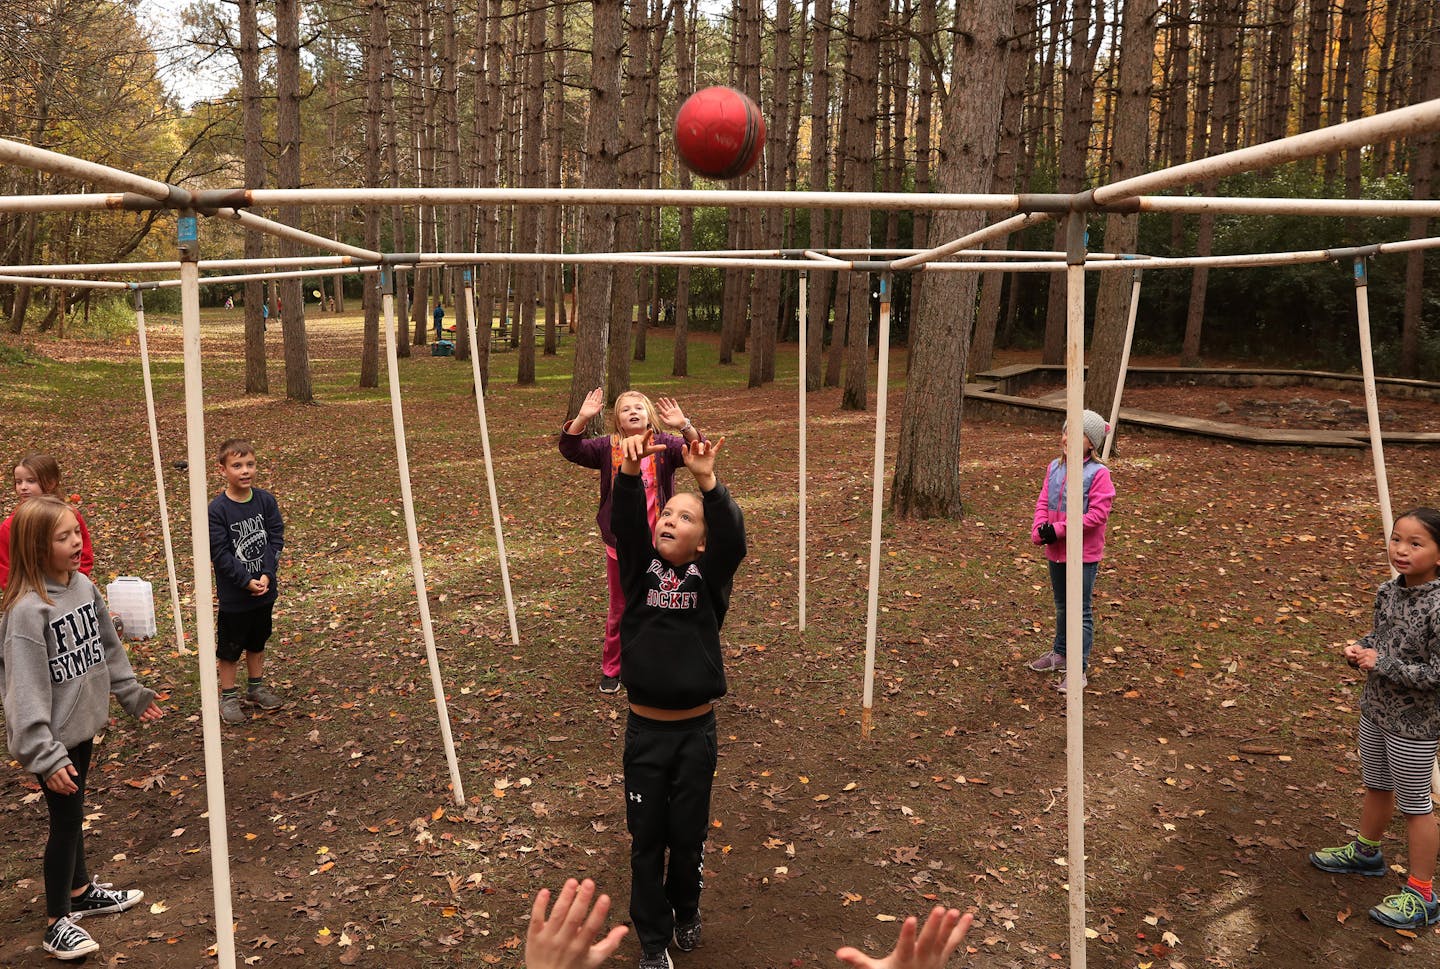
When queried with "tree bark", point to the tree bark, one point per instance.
{"points": [[1127, 159], [602, 144], [860, 177], [927, 474], [818, 310], [257, 379], [287, 172]]}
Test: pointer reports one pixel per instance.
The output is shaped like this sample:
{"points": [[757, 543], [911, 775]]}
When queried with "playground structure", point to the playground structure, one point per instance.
{"points": [[138, 194]]}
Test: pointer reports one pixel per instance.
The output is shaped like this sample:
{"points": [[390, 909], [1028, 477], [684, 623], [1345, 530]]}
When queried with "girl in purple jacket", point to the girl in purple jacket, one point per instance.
{"points": [[1049, 527], [633, 414]]}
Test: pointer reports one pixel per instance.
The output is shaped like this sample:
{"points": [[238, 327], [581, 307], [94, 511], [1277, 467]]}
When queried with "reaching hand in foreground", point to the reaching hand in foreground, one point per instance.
{"points": [[929, 948], [565, 940]]}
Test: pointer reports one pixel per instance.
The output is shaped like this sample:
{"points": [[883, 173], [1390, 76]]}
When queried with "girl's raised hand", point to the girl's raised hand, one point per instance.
{"points": [[700, 455], [594, 404], [669, 410]]}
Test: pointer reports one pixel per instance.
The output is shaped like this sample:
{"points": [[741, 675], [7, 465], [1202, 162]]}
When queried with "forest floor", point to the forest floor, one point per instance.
{"points": [[1219, 719]]}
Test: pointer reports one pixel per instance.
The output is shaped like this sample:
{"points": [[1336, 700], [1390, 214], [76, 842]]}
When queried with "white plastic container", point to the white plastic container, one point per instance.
{"points": [[133, 600]]}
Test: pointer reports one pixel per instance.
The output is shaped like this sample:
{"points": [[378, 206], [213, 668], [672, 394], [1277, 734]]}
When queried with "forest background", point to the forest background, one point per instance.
{"points": [[889, 95]]}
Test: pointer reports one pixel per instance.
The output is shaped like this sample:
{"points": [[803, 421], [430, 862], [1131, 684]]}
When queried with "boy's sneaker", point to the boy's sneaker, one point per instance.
{"points": [[263, 697], [1064, 682], [660, 960], [1406, 909], [609, 684], [687, 936], [1349, 860], [99, 899], [66, 940], [1047, 662], [230, 710]]}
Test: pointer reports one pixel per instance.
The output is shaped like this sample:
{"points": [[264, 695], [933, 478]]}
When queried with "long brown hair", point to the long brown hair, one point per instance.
{"points": [[32, 531], [45, 469]]}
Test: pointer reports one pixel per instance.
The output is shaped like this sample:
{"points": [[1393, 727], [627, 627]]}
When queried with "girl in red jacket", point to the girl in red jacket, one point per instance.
{"points": [[39, 474]]}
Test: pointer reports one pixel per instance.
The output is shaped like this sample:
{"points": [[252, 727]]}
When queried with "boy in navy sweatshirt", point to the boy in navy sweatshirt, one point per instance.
{"points": [[677, 581], [246, 536]]}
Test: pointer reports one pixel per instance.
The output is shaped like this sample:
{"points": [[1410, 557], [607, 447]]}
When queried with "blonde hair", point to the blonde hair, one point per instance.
{"points": [[32, 531], [651, 415], [45, 469]]}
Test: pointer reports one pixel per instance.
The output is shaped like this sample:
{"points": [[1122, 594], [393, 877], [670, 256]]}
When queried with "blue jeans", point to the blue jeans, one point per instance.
{"points": [[1087, 585]]}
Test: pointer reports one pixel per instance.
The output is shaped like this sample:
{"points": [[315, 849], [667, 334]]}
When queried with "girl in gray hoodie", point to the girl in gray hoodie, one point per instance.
{"points": [[61, 660]]}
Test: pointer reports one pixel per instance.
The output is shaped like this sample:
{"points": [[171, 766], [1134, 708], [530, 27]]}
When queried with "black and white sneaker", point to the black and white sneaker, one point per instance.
{"points": [[99, 899], [687, 936], [66, 940]]}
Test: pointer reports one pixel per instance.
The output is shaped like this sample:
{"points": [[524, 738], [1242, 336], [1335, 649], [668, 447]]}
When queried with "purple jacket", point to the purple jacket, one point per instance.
{"points": [[602, 454]]}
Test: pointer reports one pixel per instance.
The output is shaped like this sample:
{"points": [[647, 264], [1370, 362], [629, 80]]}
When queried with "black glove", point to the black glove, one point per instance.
{"points": [[1047, 534]]}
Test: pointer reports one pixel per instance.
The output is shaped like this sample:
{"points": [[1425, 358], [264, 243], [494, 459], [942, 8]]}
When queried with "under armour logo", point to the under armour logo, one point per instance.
{"points": [[634, 797]]}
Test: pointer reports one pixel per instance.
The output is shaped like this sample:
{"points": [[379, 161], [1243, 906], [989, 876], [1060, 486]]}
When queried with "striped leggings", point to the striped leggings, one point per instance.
{"points": [[1398, 764]]}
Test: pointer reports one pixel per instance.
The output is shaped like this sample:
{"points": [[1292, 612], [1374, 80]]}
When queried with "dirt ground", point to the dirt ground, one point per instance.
{"points": [[1219, 720]]}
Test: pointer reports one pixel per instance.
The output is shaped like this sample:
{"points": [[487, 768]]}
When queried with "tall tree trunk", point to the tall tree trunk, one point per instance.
{"points": [[257, 379], [982, 346], [374, 113], [532, 166], [624, 288], [1074, 146], [287, 172], [860, 177], [685, 82], [818, 310], [1424, 174], [555, 142], [602, 150], [927, 475], [1127, 159]]}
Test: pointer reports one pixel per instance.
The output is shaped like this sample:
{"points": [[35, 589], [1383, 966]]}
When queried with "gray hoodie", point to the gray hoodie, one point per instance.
{"points": [[61, 661]]}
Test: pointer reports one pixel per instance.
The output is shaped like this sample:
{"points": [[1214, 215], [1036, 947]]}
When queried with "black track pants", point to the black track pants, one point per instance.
{"points": [[669, 767], [65, 851]]}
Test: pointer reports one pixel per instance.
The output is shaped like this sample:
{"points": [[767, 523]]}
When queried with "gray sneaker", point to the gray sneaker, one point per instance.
{"points": [[263, 697], [1065, 681], [1047, 662], [230, 710]]}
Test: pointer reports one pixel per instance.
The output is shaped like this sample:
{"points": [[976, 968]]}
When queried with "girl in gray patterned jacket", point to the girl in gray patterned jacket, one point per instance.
{"points": [[1400, 723], [61, 660]]}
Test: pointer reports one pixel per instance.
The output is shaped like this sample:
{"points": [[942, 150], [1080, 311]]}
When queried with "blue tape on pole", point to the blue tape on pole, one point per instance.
{"points": [[1360, 272], [465, 275], [188, 229]]}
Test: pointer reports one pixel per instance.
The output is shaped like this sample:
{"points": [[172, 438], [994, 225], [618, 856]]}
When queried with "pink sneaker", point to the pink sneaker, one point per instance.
{"points": [[1047, 662]]}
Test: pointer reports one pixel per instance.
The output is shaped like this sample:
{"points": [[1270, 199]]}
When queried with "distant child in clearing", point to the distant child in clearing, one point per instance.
{"points": [[39, 474], [1400, 724], [676, 575], [633, 415], [61, 660], [1049, 528], [246, 537]]}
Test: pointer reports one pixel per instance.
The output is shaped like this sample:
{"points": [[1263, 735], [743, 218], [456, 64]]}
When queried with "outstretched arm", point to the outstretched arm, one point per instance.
{"points": [[669, 410], [564, 940], [594, 404], [928, 948], [700, 459]]}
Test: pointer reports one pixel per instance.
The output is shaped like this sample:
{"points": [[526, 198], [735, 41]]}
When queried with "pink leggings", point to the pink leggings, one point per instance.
{"points": [[610, 655]]}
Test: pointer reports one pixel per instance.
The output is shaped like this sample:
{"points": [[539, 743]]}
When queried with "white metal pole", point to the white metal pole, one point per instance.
{"points": [[485, 448], [159, 473], [204, 590], [1074, 566], [1124, 365], [877, 506], [804, 309], [412, 533], [1372, 402]]}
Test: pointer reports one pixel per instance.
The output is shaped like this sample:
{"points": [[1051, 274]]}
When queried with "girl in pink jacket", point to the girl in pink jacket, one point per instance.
{"points": [[1049, 529]]}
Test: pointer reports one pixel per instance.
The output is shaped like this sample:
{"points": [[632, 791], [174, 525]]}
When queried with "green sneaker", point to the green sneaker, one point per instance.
{"points": [[1348, 860], [1406, 909]]}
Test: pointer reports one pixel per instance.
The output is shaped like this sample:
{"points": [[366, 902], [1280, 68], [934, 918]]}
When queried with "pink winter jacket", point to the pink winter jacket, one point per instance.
{"points": [[1102, 494]]}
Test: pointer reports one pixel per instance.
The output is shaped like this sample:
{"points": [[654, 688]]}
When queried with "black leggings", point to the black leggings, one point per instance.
{"points": [[65, 851]]}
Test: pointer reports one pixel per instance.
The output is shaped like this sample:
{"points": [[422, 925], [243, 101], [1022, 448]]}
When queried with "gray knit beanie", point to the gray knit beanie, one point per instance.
{"points": [[1095, 429]]}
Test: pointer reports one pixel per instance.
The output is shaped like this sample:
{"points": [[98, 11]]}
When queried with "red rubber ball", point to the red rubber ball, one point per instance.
{"points": [[719, 133]]}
